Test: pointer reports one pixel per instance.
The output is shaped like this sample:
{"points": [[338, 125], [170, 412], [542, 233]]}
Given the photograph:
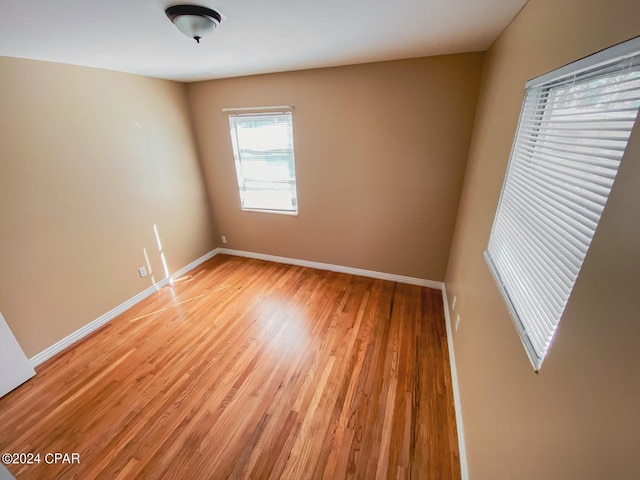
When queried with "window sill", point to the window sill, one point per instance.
{"points": [[276, 212]]}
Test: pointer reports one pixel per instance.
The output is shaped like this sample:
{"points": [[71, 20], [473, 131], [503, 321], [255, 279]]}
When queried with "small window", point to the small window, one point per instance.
{"points": [[573, 131], [263, 151]]}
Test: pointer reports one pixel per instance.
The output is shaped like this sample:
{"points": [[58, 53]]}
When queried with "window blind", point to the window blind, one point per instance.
{"points": [[571, 137], [264, 160]]}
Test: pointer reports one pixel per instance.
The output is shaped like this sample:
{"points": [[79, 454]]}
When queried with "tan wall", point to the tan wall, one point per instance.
{"points": [[90, 160], [380, 156], [577, 419]]}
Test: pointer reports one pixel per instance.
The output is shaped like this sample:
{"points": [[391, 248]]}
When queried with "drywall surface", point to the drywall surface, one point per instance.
{"points": [[578, 419], [380, 153], [91, 161]]}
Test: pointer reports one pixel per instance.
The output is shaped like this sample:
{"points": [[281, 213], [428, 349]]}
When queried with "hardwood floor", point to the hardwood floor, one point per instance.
{"points": [[249, 369]]}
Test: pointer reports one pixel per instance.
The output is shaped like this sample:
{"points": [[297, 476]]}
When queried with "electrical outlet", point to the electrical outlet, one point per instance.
{"points": [[142, 271], [453, 304], [224, 239], [457, 322]]}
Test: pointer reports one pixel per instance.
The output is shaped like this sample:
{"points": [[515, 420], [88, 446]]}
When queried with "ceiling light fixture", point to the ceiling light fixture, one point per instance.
{"points": [[194, 21]]}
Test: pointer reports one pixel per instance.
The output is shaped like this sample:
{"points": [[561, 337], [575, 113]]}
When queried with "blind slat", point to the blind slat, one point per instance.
{"points": [[554, 285], [603, 137], [572, 185], [588, 212], [578, 144]]}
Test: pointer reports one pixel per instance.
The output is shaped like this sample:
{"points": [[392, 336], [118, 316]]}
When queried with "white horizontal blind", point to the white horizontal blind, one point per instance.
{"points": [[572, 135], [265, 165]]}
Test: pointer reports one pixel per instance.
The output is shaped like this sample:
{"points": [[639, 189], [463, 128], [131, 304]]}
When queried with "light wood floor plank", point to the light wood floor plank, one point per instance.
{"points": [[249, 369]]}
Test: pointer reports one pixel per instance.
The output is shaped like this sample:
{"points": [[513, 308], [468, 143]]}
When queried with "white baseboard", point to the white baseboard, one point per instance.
{"points": [[464, 470], [335, 268], [195, 263], [82, 332]]}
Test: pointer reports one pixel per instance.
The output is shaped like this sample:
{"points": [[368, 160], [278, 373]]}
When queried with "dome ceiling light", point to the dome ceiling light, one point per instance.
{"points": [[194, 21]]}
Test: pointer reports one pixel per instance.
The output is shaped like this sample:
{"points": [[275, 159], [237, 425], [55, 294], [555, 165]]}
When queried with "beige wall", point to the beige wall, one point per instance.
{"points": [[380, 156], [578, 419], [90, 160]]}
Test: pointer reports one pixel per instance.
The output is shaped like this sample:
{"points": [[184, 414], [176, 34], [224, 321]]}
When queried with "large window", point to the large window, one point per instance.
{"points": [[263, 151], [573, 131]]}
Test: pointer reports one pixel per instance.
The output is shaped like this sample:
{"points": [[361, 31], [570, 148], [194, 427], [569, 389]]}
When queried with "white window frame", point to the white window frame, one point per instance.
{"points": [[287, 152], [529, 253]]}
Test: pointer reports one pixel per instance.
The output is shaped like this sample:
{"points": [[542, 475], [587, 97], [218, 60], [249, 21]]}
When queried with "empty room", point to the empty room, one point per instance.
{"points": [[295, 240]]}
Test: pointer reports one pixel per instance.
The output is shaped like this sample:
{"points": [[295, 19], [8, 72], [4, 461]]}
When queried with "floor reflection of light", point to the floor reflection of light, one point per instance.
{"points": [[284, 327]]}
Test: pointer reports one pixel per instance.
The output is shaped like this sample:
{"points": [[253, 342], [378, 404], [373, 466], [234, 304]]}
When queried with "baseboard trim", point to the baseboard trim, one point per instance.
{"points": [[334, 268], [195, 263], [464, 470], [82, 332]]}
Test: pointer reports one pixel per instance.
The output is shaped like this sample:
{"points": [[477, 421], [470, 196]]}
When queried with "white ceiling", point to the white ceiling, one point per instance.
{"points": [[257, 36]]}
